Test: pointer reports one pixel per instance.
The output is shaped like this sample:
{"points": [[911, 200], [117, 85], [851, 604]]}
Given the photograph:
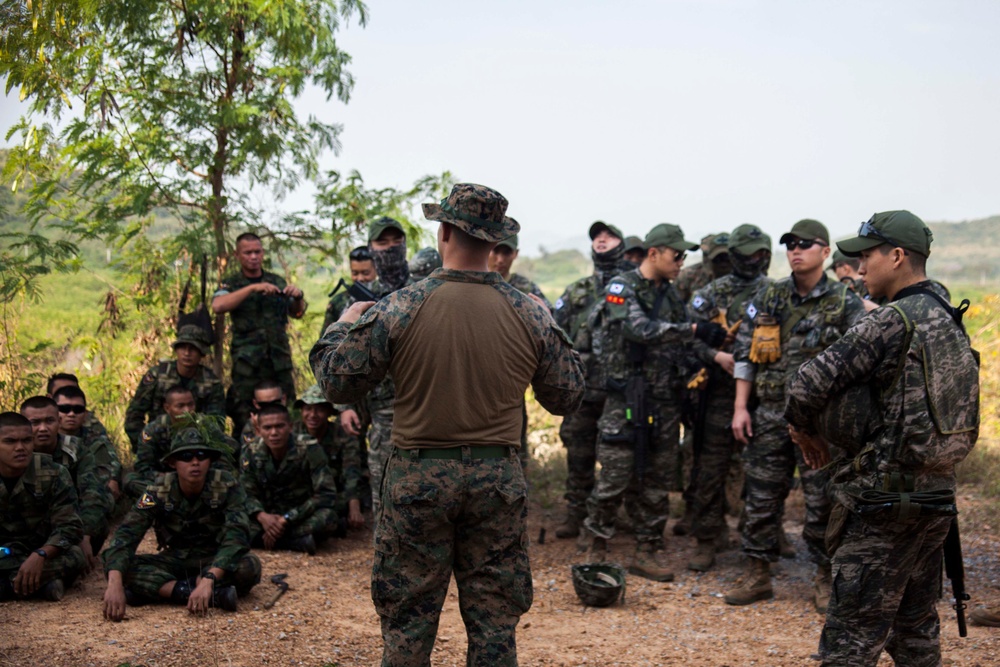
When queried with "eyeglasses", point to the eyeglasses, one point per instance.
{"points": [[192, 454], [868, 230], [75, 409], [803, 244], [679, 255]]}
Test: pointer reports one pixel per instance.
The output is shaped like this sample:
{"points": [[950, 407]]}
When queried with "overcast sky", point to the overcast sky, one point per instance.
{"points": [[704, 113]]}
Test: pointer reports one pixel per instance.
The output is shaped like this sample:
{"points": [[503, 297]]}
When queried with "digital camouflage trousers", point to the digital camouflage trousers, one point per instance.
{"points": [[579, 434]]}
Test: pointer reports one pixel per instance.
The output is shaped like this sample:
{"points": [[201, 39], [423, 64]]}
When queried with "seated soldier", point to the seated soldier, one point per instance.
{"points": [[154, 443], [59, 380], [265, 392], [291, 493], [39, 526], [94, 501], [201, 525], [190, 347], [72, 405], [343, 452]]}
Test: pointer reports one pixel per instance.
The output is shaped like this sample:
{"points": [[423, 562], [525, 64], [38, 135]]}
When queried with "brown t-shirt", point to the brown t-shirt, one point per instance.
{"points": [[461, 368]]}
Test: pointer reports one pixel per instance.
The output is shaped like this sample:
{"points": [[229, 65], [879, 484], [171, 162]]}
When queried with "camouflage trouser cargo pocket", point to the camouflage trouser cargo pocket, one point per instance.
{"points": [[386, 592], [835, 528]]}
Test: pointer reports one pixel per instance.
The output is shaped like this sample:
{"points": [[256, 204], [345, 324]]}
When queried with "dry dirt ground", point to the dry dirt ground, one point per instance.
{"points": [[327, 617]]}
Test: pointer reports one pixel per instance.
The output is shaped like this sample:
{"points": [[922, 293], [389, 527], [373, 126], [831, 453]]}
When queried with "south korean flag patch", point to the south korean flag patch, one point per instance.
{"points": [[616, 288], [751, 311], [559, 304], [697, 303]]}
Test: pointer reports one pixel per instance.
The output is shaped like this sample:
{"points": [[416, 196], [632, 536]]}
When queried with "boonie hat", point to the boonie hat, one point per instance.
{"points": [[376, 227], [748, 239], [192, 334], [901, 229], [665, 234], [510, 242], [190, 439], [633, 243], [601, 226], [311, 396], [810, 230], [477, 210]]}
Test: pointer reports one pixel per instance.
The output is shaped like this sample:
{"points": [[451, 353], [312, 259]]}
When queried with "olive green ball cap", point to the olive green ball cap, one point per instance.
{"points": [[312, 396], [898, 228], [601, 226], [748, 239], [510, 242], [671, 236], [633, 243], [836, 258], [189, 439], [376, 227], [810, 230], [717, 244]]}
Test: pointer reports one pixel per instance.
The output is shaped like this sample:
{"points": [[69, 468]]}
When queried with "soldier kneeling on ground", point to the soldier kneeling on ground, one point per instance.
{"points": [[201, 525], [39, 526], [291, 492]]}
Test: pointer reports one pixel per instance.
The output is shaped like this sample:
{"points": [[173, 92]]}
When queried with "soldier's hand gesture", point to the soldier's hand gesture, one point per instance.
{"points": [[355, 311], [114, 597]]}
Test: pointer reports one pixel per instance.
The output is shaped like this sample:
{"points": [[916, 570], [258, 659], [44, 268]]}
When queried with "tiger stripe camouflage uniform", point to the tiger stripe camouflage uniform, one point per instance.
{"points": [[810, 324], [40, 509], [193, 535], [300, 487]]}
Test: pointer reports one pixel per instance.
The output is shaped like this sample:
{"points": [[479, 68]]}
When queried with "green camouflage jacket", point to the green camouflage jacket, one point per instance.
{"points": [[809, 325], [94, 500], [154, 443], [343, 455], [147, 404], [213, 526], [338, 304], [259, 324], [40, 509], [662, 334], [528, 286], [924, 381], [692, 279], [297, 486]]}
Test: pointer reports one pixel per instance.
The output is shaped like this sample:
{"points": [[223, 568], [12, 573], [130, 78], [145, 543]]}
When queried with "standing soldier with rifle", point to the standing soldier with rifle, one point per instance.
{"points": [[911, 362], [644, 346], [722, 301]]}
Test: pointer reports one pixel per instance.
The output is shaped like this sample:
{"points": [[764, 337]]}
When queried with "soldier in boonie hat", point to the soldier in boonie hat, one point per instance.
{"points": [[312, 396], [900, 229], [191, 440], [194, 335], [477, 210], [425, 261]]}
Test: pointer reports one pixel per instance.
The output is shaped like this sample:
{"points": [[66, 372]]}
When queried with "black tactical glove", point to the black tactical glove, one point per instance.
{"points": [[710, 333]]}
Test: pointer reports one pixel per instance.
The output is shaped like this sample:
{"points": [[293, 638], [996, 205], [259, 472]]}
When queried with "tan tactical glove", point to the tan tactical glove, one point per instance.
{"points": [[765, 348]]}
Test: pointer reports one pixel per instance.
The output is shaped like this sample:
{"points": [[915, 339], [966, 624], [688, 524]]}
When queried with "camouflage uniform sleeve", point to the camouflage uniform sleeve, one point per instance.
{"points": [[145, 454], [351, 461], [96, 502], [623, 304], [349, 361], [854, 309], [129, 534], [109, 466], [699, 309], [235, 539], [215, 399], [562, 313], [537, 291], [67, 527], [140, 405], [324, 486], [559, 379], [746, 369], [251, 483], [849, 361]]}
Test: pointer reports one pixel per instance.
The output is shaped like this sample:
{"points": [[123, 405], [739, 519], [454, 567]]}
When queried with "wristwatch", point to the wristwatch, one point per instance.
{"points": [[41, 552], [209, 575]]}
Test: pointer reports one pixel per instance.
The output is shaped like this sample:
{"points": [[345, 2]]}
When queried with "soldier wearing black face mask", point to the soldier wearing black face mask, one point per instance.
{"points": [[572, 311]]}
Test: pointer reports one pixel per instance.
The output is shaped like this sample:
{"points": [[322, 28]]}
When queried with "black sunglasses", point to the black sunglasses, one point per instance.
{"points": [[868, 230], [803, 244], [75, 409], [192, 454], [679, 255]]}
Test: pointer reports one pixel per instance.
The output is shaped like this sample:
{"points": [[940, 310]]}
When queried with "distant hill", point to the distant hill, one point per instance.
{"points": [[966, 251]]}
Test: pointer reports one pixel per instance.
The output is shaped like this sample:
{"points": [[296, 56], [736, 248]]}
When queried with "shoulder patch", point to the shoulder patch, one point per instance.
{"points": [[698, 302], [559, 303], [616, 288], [616, 300], [146, 501], [149, 378], [751, 311]]}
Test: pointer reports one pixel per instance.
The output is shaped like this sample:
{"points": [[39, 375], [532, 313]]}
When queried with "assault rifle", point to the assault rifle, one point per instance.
{"points": [[637, 410], [358, 292], [955, 569]]}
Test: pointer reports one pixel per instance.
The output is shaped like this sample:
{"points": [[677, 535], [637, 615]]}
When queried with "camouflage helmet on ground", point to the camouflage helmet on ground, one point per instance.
{"points": [[599, 584], [425, 261]]}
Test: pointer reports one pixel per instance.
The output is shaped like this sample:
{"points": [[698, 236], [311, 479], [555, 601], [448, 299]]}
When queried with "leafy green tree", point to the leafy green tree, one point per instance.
{"points": [[173, 107]]}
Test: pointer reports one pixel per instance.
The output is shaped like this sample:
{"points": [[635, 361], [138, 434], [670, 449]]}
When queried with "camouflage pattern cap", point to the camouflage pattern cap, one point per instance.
{"points": [[312, 396], [809, 230], [901, 229], [718, 244], [671, 236], [748, 239], [477, 210], [601, 226], [190, 439], [633, 243], [425, 261], [510, 241], [192, 334], [376, 227]]}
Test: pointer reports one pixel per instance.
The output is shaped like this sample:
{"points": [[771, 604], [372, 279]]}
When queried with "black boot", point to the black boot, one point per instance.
{"points": [[52, 591], [181, 593], [305, 543], [224, 597]]}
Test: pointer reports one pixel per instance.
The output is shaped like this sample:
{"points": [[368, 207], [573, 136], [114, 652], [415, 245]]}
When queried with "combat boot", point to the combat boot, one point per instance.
{"points": [[224, 597], [722, 540], [821, 588], [785, 545], [568, 528], [989, 618], [181, 593], [683, 525], [754, 585], [306, 543], [53, 591], [704, 556], [594, 546], [649, 564]]}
